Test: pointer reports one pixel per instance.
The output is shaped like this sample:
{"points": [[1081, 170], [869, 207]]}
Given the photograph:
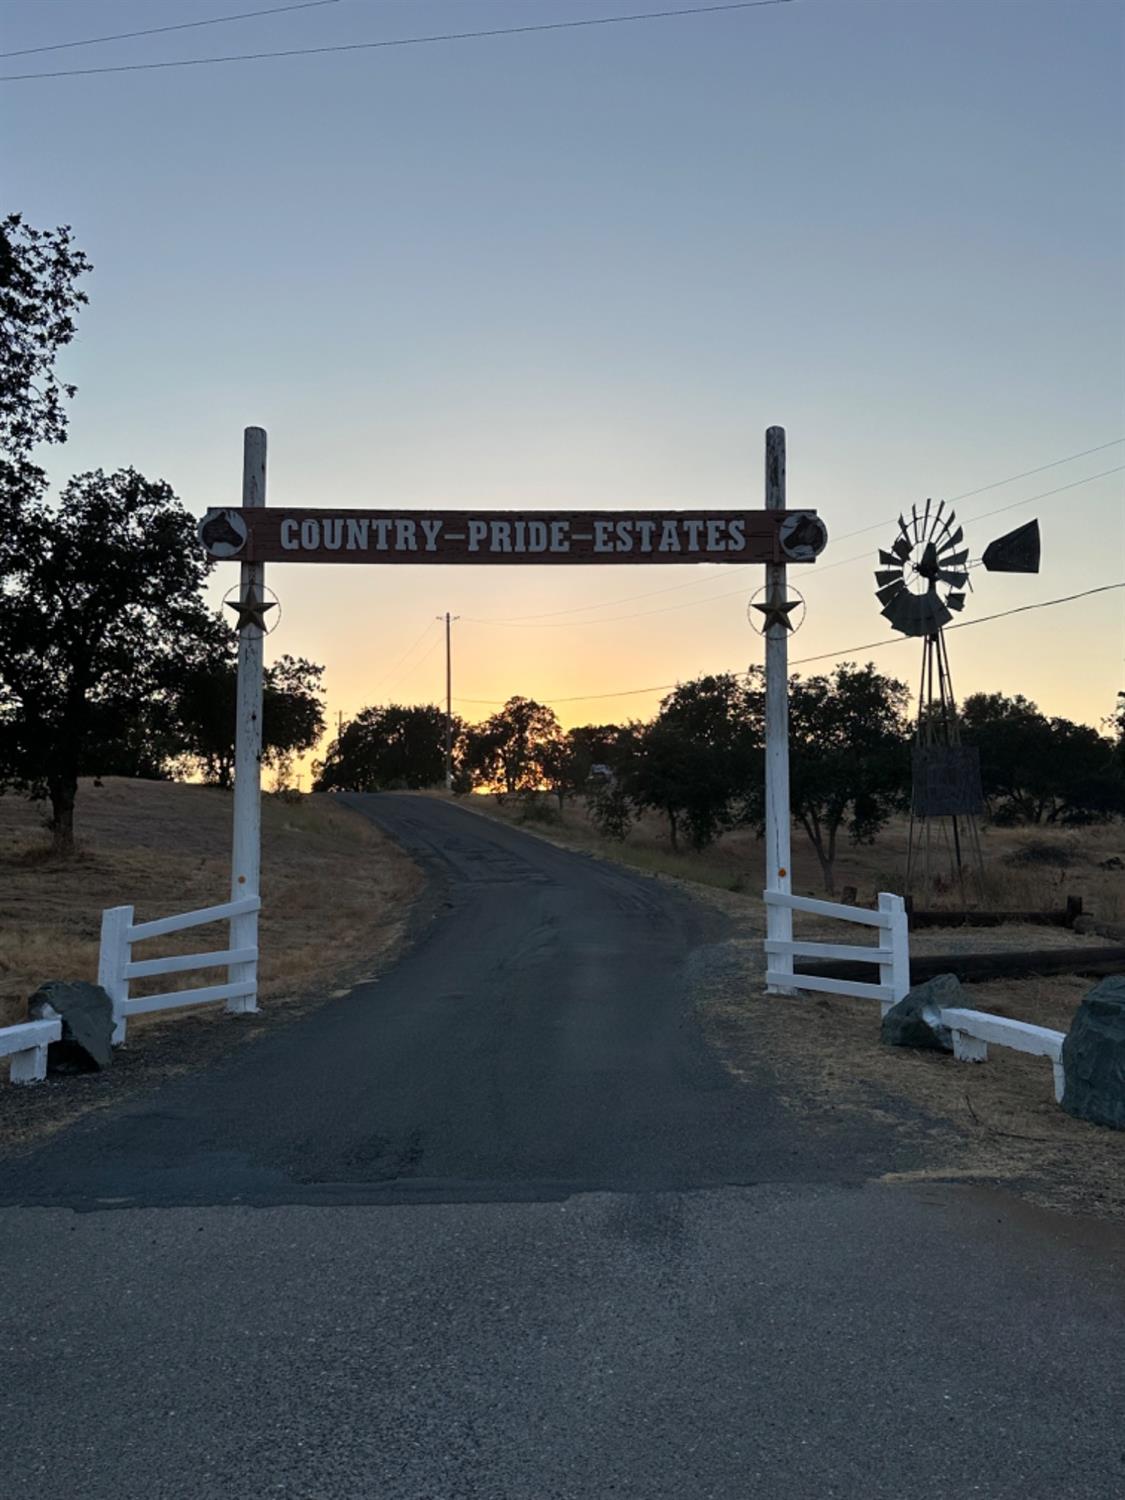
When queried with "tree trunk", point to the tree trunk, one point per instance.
{"points": [[826, 857], [673, 832], [63, 792]]}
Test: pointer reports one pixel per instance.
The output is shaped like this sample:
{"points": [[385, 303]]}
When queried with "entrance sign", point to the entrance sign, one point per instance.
{"points": [[255, 534], [265, 534]]}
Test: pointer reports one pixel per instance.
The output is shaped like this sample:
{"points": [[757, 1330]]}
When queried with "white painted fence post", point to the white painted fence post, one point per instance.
{"points": [[30, 1065], [246, 851], [113, 955], [896, 937], [779, 919]]}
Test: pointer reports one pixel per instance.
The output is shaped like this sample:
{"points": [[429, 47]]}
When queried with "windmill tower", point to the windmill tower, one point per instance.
{"points": [[921, 584]]}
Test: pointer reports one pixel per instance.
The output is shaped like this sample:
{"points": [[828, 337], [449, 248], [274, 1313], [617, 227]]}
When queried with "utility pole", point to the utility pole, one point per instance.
{"points": [[448, 618]]}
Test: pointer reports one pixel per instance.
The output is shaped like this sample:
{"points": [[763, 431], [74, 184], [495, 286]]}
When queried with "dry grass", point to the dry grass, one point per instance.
{"points": [[335, 891], [1025, 868]]}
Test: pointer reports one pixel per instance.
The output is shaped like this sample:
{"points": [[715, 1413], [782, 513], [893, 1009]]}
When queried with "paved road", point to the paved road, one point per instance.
{"points": [[499, 1226]]}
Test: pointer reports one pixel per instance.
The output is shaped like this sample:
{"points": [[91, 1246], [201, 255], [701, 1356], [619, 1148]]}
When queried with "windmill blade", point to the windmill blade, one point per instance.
{"points": [[930, 614], [890, 559], [891, 575], [926, 517], [954, 559], [914, 521], [917, 614], [892, 591], [949, 542], [955, 580], [1016, 552], [941, 537], [955, 601], [902, 545]]}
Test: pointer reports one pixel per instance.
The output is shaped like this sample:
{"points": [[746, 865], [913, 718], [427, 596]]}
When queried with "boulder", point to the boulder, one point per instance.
{"points": [[1093, 1056], [87, 1017], [913, 1021]]}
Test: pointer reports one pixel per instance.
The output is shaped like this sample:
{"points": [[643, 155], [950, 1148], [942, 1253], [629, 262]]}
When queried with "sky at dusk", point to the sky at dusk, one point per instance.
{"points": [[586, 269]]}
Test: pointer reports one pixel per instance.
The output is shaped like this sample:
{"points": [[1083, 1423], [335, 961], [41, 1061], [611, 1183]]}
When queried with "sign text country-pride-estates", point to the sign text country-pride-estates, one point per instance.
{"points": [[270, 534]]}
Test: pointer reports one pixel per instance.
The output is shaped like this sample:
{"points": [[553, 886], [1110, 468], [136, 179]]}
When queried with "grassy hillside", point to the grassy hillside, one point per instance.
{"points": [[335, 891]]}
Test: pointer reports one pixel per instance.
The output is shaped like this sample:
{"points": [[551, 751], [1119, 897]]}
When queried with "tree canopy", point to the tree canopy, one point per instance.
{"points": [[97, 595], [848, 764], [385, 748], [1036, 769], [515, 750], [39, 297]]}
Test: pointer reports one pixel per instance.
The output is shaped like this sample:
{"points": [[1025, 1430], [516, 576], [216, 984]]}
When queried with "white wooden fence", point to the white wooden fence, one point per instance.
{"points": [[116, 966], [26, 1044], [973, 1030], [891, 953]]}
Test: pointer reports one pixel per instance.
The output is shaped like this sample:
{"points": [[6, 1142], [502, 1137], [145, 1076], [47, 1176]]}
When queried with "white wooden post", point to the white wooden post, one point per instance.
{"points": [[246, 850], [779, 919], [113, 955], [896, 937], [29, 1064]]}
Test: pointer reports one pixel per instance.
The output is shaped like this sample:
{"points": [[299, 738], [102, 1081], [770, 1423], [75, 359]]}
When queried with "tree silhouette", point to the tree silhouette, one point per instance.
{"points": [[848, 764], [39, 269], [384, 748], [513, 750], [97, 595]]}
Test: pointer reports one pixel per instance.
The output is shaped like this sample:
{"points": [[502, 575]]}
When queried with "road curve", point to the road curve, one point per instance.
{"points": [[499, 1227], [538, 1040]]}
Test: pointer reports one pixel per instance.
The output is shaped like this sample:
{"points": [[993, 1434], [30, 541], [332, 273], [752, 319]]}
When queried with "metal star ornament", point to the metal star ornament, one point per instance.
{"points": [[251, 610], [776, 609]]}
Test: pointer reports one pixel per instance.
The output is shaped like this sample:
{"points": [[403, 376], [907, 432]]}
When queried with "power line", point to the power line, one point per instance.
{"points": [[843, 562], [406, 41], [390, 676], [999, 483], [895, 640], [843, 537], [1020, 609], [123, 36]]}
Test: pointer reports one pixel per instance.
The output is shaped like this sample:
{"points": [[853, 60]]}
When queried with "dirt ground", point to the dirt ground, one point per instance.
{"points": [[995, 1122], [336, 895]]}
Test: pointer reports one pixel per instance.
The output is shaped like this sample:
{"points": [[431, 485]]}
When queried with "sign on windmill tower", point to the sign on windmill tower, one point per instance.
{"points": [[921, 584]]}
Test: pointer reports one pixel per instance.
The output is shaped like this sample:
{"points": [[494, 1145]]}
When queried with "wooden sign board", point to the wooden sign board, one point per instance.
{"points": [[264, 534]]}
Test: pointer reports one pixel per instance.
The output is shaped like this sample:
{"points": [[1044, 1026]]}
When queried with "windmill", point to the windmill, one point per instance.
{"points": [[922, 582]]}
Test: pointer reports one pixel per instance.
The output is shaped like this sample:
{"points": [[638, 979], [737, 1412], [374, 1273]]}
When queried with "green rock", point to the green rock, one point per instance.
{"points": [[1093, 1056], [911, 1023], [87, 1029]]}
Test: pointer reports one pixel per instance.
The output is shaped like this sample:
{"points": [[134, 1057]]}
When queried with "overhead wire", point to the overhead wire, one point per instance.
{"points": [[405, 41], [528, 621], [390, 676], [895, 640], [843, 537], [124, 36]]}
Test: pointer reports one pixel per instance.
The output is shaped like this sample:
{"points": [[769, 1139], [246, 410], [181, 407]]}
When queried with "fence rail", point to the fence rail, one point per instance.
{"points": [[26, 1044], [974, 1030], [117, 968], [891, 953]]}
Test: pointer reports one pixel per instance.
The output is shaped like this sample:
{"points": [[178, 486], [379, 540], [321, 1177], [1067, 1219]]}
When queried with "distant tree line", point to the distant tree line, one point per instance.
{"points": [[110, 660], [699, 763]]}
